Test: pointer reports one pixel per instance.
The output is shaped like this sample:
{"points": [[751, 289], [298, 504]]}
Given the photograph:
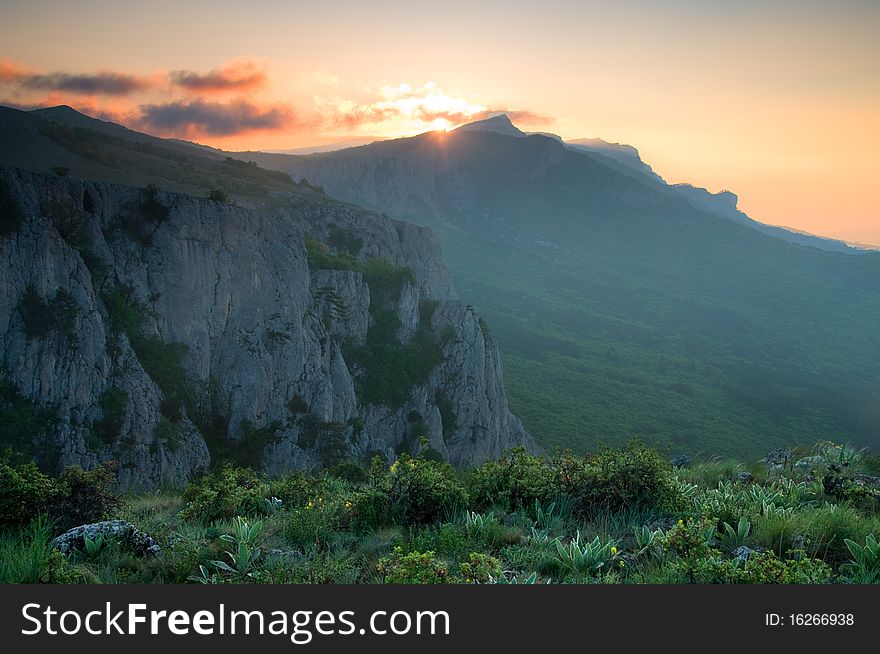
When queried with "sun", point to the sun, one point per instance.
{"points": [[440, 125]]}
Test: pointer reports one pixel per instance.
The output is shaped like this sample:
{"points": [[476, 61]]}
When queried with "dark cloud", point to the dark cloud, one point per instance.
{"points": [[234, 76], [103, 83], [198, 117]]}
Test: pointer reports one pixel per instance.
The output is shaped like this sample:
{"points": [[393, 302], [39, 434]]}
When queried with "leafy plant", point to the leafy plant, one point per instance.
{"points": [[586, 558], [731, 538], [865, 566], [244, 553], [530, 580], [93, 545]]}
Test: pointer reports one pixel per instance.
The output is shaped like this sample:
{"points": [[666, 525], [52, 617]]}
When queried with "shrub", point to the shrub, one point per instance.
{"points": [[77, 497], [218, 195], [315, 523], [411, 491], [348, 471], [390, 369], [10, 212], [151, 208], [633, 477], [765, 568], [321, 258], [42, 317], [690, 541], [85, 496], [412, 568], [22, 421], [27, 492], [226, 493], [611, 480], [517, 480], [345, 240], [113, 402], [480, 569]]}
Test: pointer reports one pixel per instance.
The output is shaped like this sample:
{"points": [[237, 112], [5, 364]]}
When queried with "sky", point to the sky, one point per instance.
{"points": [[777, 101]]}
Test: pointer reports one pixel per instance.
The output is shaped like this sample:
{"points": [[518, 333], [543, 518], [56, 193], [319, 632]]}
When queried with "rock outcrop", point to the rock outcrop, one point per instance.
{"points": [[154, 326], [122, 533]]}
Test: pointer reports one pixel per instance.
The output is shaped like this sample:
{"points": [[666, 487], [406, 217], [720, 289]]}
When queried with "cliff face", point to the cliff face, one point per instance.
{"points": [[156, 330]]}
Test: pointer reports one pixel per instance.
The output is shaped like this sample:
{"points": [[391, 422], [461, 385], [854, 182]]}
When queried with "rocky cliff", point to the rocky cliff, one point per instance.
{"points": [[159, 330]]}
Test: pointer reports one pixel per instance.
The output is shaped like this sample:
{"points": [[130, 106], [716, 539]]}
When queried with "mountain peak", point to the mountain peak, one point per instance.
{"points": [[499, 124]]}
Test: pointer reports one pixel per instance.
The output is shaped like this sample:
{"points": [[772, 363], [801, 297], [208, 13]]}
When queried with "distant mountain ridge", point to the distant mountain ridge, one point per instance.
{"points": [[626, 306], [722, 203]]}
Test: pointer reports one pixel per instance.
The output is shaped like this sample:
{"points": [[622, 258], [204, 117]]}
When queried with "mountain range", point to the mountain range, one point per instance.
{"points": [[623, 306]]}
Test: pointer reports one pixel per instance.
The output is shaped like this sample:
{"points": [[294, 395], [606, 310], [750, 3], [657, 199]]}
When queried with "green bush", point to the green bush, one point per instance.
{"points": [[480, 569], [226, 493], [633, 477], [412, 568], [77, 497], [27, 492], [517, 480], [321, 258], [218, 195], [316, 523], [411, 491], [765, 568]]}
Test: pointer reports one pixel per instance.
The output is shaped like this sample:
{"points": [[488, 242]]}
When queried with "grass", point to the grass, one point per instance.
{"points": [[318, 533]]}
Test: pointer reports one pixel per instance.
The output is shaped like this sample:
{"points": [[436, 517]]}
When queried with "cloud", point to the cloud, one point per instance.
{"points": [[100, 83], [237, 75], [191, 118], [425, 107], [11, 72]]}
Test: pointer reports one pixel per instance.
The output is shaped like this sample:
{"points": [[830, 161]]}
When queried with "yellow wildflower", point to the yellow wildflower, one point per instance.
{"points": [[613, 550]]}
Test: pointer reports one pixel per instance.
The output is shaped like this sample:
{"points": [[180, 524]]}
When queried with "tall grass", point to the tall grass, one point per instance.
{"points": [[24, 555]]}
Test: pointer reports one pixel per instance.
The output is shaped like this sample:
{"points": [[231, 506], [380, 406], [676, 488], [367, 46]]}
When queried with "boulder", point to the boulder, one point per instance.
{"points": [[125, 534], [777, 459]]}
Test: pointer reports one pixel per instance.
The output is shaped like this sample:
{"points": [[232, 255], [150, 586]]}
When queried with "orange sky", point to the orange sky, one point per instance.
{"points": [[776, 101]]}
